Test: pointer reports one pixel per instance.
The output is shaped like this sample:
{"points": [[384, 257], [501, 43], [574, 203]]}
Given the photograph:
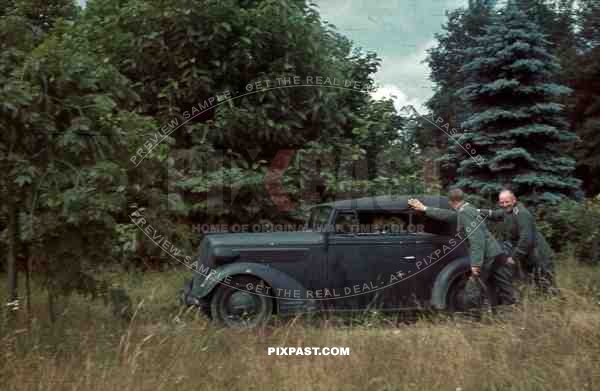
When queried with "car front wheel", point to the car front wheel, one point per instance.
{"points": [[233, 305]]}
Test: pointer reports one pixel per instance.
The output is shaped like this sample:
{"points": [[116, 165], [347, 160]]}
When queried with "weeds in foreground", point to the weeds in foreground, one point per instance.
{"points": [[543, 344]]}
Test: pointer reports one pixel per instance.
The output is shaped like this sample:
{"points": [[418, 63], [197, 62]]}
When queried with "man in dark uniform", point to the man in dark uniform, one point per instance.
{"points": [[488, 261], [530, 251]]}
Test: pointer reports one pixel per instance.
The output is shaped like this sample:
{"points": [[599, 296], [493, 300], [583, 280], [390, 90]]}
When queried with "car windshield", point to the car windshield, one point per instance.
{"points": [[319, 216]]}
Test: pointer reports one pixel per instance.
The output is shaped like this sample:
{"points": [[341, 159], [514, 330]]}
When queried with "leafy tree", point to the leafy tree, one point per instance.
{"points": [[517, 129], [42, 15], [218, 159], [68, 126], [80, 90], [15, 42]]}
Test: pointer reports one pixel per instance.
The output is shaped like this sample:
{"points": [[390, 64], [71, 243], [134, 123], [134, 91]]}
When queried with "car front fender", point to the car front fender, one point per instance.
{"points": [[290, 294]]}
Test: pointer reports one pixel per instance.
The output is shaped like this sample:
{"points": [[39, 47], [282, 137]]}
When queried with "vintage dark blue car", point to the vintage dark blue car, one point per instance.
{"points": [[367, 253]]}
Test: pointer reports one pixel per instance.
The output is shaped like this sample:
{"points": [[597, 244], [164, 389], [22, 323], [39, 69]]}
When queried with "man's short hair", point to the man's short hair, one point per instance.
{"points": [[456, 195]]}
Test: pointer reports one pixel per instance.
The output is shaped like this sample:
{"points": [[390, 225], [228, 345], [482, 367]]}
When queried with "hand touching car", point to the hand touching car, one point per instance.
{"points": [[416, 204]]}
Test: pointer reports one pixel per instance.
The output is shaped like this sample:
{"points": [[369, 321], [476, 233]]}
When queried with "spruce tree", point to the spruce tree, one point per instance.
{"points": [[445, 60], [516, 133]]}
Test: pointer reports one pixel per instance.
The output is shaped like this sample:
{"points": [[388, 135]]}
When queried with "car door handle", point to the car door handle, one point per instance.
{"points": [[409, 257]]}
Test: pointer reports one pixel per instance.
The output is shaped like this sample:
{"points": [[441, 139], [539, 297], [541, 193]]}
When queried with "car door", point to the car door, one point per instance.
{"points": [[409, 259], [368, 269], [344, 266], [394, 254], [434, 245], [389, 270]]}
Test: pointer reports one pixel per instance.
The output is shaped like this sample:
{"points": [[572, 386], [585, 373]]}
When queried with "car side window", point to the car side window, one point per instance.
{"points": [[319, 216], [427, 225], [346, 222], [388, 223]]}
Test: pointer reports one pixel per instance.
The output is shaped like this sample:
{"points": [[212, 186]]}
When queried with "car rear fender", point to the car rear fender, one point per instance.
{"points": [[444, 280], [290, 294]]}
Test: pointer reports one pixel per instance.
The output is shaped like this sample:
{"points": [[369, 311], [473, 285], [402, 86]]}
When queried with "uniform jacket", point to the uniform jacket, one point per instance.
{"points": [[483, 247], [529, 246]]}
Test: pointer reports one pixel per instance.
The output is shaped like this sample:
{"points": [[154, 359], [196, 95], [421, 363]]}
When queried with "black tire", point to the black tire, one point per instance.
{"points": [[455, 298], [233, 305]]}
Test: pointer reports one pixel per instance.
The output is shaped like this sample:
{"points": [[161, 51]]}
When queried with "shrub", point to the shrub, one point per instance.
{"points": [[573, 227]]}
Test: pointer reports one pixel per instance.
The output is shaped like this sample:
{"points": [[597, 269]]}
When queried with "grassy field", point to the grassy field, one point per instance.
{"points": [[545, 344]]}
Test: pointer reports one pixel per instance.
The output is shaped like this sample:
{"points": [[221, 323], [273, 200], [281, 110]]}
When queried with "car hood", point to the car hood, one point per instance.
{"points": [[217, 249]]}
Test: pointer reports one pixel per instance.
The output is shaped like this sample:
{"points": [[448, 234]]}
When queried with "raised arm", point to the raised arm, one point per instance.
{"points": [[441, 214], [492, 214], [435, 213]]}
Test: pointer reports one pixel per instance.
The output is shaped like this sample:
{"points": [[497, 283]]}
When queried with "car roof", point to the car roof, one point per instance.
{"points": [[388, 202]]}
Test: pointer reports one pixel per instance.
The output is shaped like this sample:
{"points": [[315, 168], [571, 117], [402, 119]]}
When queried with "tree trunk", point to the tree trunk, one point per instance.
{"points": [[51, 305], [11, 258], [28, 263]]}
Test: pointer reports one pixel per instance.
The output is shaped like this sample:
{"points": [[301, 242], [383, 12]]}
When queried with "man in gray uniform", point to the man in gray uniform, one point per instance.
{"points": [[530, 251], [488, 261]]}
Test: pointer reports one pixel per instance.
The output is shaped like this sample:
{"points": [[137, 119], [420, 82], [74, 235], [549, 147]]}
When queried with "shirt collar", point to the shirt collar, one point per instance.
{"points": [[463, 206]]}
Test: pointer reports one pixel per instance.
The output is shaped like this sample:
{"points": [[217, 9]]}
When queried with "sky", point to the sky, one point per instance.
{"points": [[400, 32]]}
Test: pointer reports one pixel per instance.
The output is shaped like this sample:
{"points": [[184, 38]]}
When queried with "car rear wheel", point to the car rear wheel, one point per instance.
{"points": [[455, 299], [233, 305]]}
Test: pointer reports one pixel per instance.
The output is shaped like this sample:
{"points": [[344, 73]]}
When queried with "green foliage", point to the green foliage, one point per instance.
{"points": [[68, 121], [215, 163], [586, 113], [571, 226], [445, 60], [83, 91], [513, 97], [571, 31], [177, 63]]}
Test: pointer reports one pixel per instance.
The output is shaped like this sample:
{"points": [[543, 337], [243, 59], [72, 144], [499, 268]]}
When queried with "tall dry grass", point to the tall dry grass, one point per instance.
{"points": [[544, 344]]}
